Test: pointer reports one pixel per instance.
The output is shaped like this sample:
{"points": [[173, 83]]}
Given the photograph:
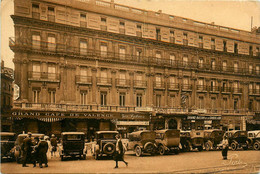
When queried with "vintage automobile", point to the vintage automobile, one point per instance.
{"points": [[18, 153], [72, 144], [192, 140], [185, 141], [7, 144], [253, 139], [212, 138], [104, 144], [167, 141], [237, 139], [142, 142]]}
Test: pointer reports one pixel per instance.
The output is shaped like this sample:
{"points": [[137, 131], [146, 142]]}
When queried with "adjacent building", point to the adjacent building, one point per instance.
{"points": [[86, 65], [7, 78]]}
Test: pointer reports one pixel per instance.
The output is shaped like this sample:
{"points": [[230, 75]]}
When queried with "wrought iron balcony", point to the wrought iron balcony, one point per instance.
{"points": [[225, 89], [173, 86], [254, 91], [237, 90], [122, 82], [201, 88], [83, 79], [214, 89], [140, 83], [159, 85], [43, 76], [186, 87], [104, 81]]}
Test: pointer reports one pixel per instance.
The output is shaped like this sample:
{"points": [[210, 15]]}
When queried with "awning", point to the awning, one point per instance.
{"points": [[253, 121]]}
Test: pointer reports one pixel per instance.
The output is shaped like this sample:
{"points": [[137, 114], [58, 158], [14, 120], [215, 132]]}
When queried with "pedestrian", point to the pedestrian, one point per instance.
{"points": [[42, 150], [224, 147], [53, 144], [49, 146], [119, 152], [27, 149], [34, 154]]}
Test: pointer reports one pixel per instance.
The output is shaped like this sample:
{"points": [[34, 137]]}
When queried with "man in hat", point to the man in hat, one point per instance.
{"points": [[54, 144], [224, 147], [42, 149], [27, 149]]}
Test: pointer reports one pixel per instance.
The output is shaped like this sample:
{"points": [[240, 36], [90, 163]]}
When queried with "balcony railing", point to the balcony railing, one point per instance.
{"points": [[83, 24], [173, 86], [201, 88], [122, 82], [104, 81], [140, 83], [37, 45], [225, 89], [36, 15], [237, 90], [165, 110], [158, 85], [186, 87], [83, 79], [214, 88], [51, 18], [254, 91], [43, 76]]}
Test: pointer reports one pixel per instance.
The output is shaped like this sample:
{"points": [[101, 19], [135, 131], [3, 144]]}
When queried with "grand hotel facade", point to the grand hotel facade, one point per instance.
{"points": [[87, 65]]}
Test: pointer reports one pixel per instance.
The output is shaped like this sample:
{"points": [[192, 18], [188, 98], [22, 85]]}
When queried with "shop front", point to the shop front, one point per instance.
{"points": [[235, 122], [54, 122], [130, 122], [201, 122]]}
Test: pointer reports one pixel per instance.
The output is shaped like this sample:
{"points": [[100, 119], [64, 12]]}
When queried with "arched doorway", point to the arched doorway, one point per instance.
{"points": [[172, 124]]}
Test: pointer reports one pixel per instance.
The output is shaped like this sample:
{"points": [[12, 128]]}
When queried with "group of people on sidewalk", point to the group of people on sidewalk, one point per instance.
{"points": [[36, 151]]}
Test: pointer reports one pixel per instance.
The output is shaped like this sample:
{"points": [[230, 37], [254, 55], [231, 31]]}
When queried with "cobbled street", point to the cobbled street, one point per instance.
{"points": [[189, 162]]}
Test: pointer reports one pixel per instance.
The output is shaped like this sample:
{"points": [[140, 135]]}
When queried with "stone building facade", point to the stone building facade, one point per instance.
{"points": [[96, 65], [7, 78]]}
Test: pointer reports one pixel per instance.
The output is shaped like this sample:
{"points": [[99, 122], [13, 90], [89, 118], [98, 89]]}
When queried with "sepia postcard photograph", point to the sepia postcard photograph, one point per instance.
{"points": [[130, 86]]}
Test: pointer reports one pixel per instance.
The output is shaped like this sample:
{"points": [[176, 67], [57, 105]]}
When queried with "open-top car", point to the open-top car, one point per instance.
{"points": [[72, 144], [7, 144], [253, 139], [167, 141], [142, 142], [18, 153], [237, 139], [104, 144], [212, 138]]}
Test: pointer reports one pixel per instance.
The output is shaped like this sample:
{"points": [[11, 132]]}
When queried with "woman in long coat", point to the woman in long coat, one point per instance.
{"points": [[119, 153]]}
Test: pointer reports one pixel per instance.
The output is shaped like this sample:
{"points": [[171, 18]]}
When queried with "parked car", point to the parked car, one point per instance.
{"points": [[104, 144], [253, 139], [18, 153], [212, 138], [237, 139], [167, 141], [142, 142], [185, 141], [7, 144], [72, 144], [197, 139]]}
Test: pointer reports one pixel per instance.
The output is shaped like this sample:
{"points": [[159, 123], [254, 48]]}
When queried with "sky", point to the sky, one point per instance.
{"points": [[234, 14]]}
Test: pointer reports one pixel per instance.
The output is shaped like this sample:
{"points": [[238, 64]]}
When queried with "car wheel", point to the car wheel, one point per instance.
{"points": [[84, 156], [207, 146], [138, 151], [200, 148], [233, 146], [256, 146], [176, 151], [161, 150], [96, 156]]}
